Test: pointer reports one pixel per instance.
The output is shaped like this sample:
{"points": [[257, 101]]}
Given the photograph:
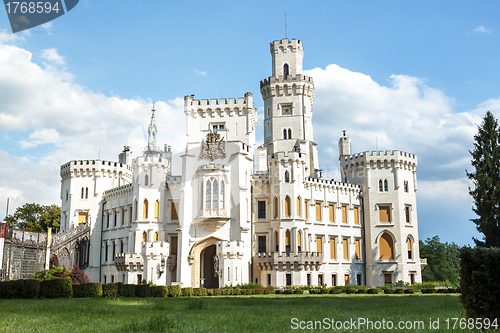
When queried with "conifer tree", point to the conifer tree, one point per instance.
{"points": [[486, 179]]}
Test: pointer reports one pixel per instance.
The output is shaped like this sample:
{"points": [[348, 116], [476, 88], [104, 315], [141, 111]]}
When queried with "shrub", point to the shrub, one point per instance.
{"points": [[258, 291], [78, 276], [110, 290], [218, 292], [389, 291], [91, 289], [200, 292], [409, 291], [187, 291], [158, 291], [226, 291], [399, 291], [362, 290], [250, 285], [235, 291], [126, 290], [53, 261], [335, 290], [20, 289], [210, 292], [350, 290], [142, 290], [56, 288], [53, 273], [174, 290], [374, 291], [428, 290]]}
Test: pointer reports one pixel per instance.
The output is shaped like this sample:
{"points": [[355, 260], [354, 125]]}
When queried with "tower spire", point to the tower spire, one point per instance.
{"points": [[152, 131], [286, 32]]}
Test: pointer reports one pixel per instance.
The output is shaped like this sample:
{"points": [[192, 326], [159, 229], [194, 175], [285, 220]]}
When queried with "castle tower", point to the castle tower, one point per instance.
{"points": [[288, 97], [388, 180]]}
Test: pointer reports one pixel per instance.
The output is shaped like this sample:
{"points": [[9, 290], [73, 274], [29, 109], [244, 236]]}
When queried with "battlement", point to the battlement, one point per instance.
{"points": [[73, 167], [241, 102], [232, 247], [331, 182], [118, 190], [299, 78], [213, 167], [294, 44], [375, 156], [291, 155]]}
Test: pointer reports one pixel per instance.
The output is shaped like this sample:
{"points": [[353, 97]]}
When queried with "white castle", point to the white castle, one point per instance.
{"points": [[220, 222]]}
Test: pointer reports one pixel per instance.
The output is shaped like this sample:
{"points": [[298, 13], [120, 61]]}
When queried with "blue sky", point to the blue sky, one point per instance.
{"points": [[412, 76]]}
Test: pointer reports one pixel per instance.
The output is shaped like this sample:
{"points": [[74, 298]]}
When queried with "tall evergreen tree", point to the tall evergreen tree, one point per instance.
{"points": [[486, 178]]}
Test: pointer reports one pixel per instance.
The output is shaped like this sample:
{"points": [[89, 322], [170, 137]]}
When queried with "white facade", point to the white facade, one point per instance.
{"points": [[221, 223]]}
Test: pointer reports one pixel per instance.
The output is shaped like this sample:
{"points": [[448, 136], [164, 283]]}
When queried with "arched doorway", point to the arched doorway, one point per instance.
{"points": [[207, 271]]}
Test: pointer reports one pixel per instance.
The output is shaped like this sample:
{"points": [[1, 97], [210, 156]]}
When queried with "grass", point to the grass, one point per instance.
{"points": [[267, 313]]}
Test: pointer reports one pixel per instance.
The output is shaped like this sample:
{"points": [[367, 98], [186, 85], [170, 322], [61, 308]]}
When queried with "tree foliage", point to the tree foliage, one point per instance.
{"points": [[486, 179], [35, 217], [443, 260]]}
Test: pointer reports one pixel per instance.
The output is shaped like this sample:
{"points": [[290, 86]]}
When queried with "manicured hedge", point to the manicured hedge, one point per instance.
{"points": [[174, 291], [20, 289], [479, 282], [126, 290], [187, 291], [158, 291], [110, 290], [56, 288], [199, 292], [142, 290], [91, 289]]}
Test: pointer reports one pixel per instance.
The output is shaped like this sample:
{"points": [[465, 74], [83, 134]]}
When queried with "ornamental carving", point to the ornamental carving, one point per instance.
{"points": [[213, 147]]}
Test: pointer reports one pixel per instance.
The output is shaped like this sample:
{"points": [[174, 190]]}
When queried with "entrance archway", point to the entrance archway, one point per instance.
{"points": [[207, 271], [198, 253]]}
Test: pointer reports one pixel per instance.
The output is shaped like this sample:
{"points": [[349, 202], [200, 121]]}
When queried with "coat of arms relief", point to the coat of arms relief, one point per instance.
{"points": [[213, 147]]}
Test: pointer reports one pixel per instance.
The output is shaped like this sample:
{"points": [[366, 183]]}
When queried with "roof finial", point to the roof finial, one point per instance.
{"points": [[152, 130], [343, 132]]}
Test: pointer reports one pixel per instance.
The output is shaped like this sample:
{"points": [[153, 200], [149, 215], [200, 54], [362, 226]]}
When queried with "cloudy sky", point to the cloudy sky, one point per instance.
{"points": [[412, 76]]}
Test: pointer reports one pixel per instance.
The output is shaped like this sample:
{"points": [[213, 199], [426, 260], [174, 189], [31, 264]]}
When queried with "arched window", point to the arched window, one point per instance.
{"points": [[222, 194], [135, 210], [86, 193], [299, 213], [209, 194], [299, 240], [288, 209], [145, 209], [286, 71], [287, 242], [83, 192], [155, 237], [157, 209], [144, 236], [216, 195], [409, 245], [277, 240], [386, 247], [386, 188], [276, 207], [380, 187], [289, 133], [287, 177], [146, 180], [284, 134]]}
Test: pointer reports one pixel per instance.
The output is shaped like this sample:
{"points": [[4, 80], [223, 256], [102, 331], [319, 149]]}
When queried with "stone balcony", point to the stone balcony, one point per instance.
{"points": [[128, 261], [269, 261], [213, 219]]}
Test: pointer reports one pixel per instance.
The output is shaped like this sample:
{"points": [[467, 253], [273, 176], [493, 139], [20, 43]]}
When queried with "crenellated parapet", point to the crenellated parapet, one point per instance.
{"points": [[231, 249], [223, 107], [332, 185], [119, 191], [290, 85], [381, 159], [93, 168]]}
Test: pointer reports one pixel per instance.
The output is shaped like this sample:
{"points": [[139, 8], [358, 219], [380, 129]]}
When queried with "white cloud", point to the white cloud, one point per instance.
{"points": [[69, 122], [7, 37], [53, 56], [200, 72], [482, 29]]}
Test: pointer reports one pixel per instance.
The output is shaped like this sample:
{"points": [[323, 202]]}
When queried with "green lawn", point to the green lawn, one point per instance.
{"points": [[266, 313]]}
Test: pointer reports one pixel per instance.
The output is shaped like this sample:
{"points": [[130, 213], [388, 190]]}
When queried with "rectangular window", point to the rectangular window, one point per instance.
{"points": [[358, 279], [262, 244], [123, 216], [387, 278], [331, 212], [407, 213], [306, 209], [344, 214], [358, 249], [116, 216], [130, 215], [334, 280], [113, 250], [319, 244], [268, 279], [104, 279], [308, 279], [83, 217], [139, 278], [356, 215], [406, 185], [173, 212], [106, 252], [173, 244], [384, 213], [320, 279], [289, 279], [332, 248], [412, 278], [346, 279], [107, 221], [261, 209], [112, 278], [318, 211], [345, 245]]}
